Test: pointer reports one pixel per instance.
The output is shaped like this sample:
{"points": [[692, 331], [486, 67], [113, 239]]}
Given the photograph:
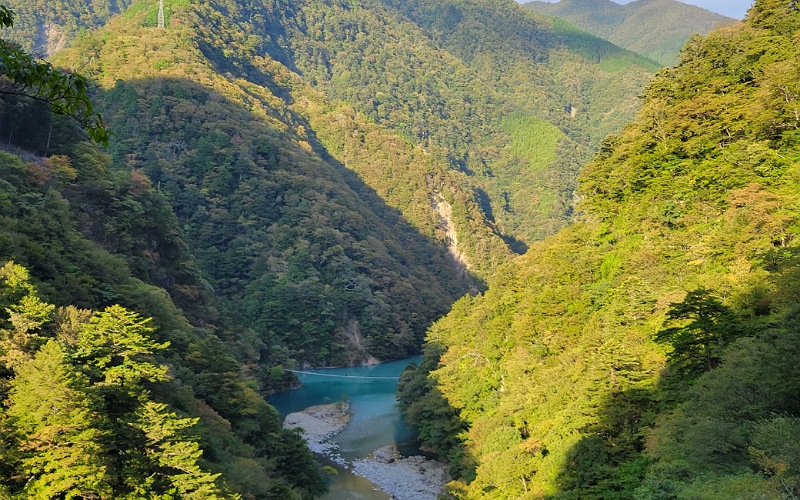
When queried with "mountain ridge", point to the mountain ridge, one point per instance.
{"points": [[632, 25]]}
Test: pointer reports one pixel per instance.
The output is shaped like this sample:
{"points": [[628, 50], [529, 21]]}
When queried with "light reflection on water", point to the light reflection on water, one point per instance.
{"points": [[374, 421]]}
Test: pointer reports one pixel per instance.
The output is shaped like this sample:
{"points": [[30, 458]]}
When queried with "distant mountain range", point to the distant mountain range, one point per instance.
{"points": [[654, 28]]}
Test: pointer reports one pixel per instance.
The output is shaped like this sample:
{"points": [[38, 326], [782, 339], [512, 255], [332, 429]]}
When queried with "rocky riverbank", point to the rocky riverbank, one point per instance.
{"points": [[319, 423], [405, 478]]}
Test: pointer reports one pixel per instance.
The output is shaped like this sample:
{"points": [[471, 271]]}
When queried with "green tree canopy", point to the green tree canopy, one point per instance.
{"points": [[57, 429], [697, 346]]}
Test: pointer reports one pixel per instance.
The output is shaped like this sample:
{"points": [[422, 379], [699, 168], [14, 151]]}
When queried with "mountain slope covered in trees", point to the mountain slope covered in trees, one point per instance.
{"points": [[507, 102], [296, 247], [648, 351], [507, 120], [280, 133], [654, 28], [97, 399]]}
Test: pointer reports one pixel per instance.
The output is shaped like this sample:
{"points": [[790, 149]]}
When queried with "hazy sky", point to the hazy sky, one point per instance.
{"points": [[731, 8]]}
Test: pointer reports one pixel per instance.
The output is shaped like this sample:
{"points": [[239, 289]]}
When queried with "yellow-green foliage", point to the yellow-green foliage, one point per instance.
{"points": [[74, 400], [533, 139], [585, 370], [92, 236]]}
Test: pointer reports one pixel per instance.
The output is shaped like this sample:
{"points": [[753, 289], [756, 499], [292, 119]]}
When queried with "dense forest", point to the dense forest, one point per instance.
{"points": [[314, 183], [657, 29], [239, 222], [490, 110], [649, 350], [342, 175], [100, 401]]}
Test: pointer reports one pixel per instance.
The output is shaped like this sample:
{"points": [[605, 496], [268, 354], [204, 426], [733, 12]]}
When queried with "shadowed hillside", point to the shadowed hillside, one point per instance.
{"points": [[504, 123]]}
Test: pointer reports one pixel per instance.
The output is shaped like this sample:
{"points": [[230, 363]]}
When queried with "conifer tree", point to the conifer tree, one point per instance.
{"points": [[117, 350], [146, 442], [26, 313], [697, 346], [172, 455], [57, 430]]}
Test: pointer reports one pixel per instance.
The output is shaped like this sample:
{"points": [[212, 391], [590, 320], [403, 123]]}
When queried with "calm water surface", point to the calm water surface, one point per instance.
{"points": [[374, 419]]}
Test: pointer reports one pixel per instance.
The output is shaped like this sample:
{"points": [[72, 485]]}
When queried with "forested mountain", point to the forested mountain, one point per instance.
{"points": [[47, 26], [295, 246], [501, 103], [97, 400], [508, 103], [279, 133], [286, 184], [649, 350], [654, 28]]}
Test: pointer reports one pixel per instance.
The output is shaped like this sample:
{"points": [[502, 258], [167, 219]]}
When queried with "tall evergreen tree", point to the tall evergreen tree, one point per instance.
{"points": [[117, 350], [172, 455], [697, 345], [57, 430], [20, 333]]}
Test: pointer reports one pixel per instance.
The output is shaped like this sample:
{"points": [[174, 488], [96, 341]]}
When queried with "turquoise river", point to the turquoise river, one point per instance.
{"points": [[374, 419]]}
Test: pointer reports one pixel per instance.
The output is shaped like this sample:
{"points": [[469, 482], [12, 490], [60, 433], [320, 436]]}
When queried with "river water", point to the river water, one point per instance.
{"points": [[374, 419]]}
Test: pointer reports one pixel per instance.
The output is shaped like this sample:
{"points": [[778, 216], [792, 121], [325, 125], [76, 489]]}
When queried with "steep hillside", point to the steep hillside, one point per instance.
{"points": [[507, 119], [47, 26], [279, 143], [647, 351], [502, 99], [294, 245], [654, 28], [83, 377]]}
